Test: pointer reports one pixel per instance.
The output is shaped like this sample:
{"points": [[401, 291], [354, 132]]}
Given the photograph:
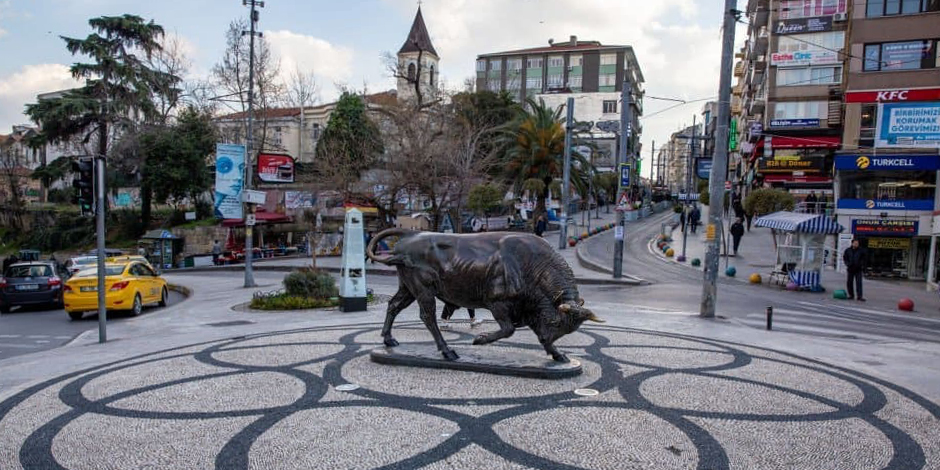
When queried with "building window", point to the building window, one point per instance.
{"points": [[533, 83], [801, 110], [411, 71], [875, 8], [833, 40], [495, 64], [556, 61], [576, 60], [869, 120], [574, 81], [431, 75], [890, 185], [513, 83], [607, 79], [315, 132], [492, 84], [555, 81], [610, 106], [790, 9], [481, 65], [278, 137], [514, 64], [534, 63], [809, 76], [608, 59], [908, 55]]}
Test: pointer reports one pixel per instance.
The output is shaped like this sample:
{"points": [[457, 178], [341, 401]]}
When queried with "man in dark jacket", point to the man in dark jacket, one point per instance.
{"points": [[737, 231], [541, 225], [694, 218], [855, 258]]}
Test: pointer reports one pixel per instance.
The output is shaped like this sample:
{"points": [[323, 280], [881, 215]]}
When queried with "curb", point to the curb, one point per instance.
{"points": [[586, 262], [280, 269]]}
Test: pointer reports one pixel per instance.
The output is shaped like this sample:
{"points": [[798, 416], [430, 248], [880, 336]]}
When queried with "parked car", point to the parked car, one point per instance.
{"points": [[78, 263], [31, 283], [130, 286]]}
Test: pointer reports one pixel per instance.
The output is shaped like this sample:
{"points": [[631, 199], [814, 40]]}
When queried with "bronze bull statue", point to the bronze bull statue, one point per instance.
{"points": [[518, 277]]}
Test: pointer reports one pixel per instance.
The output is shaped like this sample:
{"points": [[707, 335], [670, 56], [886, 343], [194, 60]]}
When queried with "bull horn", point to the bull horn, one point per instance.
{"points": [[580, 302], [564, 308], [594, 318]]}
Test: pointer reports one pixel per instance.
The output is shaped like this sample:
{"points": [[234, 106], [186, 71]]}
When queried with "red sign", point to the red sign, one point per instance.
{"points": [[275, 168], [823, 141], [885, 96]]}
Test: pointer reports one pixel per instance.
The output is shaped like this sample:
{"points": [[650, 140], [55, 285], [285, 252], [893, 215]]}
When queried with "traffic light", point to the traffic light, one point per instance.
{"points": [[84, 184]]}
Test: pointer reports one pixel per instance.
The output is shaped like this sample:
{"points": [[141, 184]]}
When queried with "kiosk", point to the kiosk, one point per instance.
{"points": [[352, 290], [800, 245]]}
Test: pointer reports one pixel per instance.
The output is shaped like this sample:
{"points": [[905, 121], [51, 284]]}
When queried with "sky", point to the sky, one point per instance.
{"points": [[677, 42]]}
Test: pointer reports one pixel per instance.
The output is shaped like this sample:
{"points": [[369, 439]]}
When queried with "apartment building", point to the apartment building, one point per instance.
{"points": [[590, 72]]}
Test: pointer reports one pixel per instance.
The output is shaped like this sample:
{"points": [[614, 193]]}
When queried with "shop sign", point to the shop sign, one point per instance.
{"points": [[815, 24], [908, 125], [755, 130], [802, 58], [794, 123], [275, 168], [889, 243], [788, 162], [229, 179], [900, 94], [888, 162], [299, 199], [884, 227], [624, 175], [887, 205], [703, 167]]}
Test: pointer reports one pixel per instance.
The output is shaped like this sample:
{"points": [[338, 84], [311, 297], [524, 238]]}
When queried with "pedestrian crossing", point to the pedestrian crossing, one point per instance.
{"points": [[847, 323]]}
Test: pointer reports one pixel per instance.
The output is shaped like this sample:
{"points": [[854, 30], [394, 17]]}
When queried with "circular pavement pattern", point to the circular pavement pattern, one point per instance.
{"points": [[278, 400]]}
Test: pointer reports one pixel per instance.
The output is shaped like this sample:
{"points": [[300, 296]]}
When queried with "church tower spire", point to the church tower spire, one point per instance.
{"points": [[417, 61]]}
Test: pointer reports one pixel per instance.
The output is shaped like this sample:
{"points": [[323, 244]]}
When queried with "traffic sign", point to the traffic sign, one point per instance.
{"points": [[250, 220], [254, 197], [624, 175], [727, 185]]}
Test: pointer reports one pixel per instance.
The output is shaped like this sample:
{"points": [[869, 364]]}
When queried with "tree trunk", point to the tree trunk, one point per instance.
{"points": [[44, 182]]}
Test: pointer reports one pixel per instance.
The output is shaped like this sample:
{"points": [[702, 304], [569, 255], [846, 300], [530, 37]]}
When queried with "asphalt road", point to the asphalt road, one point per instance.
{"points": [[32, 330]]}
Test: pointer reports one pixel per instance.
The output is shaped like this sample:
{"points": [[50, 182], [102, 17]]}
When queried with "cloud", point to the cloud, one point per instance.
{"points": [[330, 62], [21, 87], [3, 32]]}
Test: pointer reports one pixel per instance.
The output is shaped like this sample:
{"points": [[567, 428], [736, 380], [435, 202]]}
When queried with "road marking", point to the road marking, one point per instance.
{"points": [[42, 341], [9, 336], [20, 346], [62, 337], [37, 336]]}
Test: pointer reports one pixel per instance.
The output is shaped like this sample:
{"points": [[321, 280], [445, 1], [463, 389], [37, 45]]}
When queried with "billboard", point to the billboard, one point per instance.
{"points": [[703, 167], [298, 199], [888, 162], [908, 125], [814, 24], [275, 168], [885, 227], [229, 180], [801, 58]]}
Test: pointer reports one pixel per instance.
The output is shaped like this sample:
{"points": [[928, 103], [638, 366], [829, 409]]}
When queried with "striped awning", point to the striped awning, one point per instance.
{"points": [[801, 223]]}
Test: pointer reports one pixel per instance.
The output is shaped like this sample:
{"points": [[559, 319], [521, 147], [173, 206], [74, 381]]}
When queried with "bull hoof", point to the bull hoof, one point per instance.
{"points": [[391, 342], [559, 357], [480, 339], [450, 355]]}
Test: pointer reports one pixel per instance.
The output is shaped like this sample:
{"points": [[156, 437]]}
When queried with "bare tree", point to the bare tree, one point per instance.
{"points": [[13, 173], [170, 59]]}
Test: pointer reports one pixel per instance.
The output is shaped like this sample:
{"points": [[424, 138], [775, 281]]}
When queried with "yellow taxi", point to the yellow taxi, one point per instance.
{"points": [[131, 285]]}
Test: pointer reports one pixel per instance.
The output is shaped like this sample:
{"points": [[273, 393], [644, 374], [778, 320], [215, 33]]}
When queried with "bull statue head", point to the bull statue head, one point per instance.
{"points": [[577, 314], [563, 319]]}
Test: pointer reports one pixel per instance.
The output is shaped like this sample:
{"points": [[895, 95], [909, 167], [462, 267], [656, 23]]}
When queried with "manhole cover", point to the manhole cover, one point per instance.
{"points": [[230, 323], [586, 392], [347, 387]]}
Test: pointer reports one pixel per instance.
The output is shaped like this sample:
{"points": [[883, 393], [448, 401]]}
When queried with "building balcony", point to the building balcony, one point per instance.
{"points": [[739, 69]]}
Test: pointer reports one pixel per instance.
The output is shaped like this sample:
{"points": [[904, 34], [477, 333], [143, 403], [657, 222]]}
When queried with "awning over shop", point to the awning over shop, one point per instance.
{"points": [[799, 223], [261, 218], [790, 178], [822, 141]]}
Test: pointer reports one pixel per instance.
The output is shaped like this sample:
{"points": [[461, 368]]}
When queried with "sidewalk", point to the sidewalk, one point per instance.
{"points": [[758, 255]]}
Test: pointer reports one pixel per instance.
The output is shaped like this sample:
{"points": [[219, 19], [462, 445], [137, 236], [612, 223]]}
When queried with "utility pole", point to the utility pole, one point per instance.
{"points": [[100, 232], [653, 164], [626, 107], [716, 183], [688, 187], [566, 177], [249, 235]]}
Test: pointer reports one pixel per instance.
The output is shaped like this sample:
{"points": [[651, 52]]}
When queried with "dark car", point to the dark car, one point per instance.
{"points": [[32, 283]]}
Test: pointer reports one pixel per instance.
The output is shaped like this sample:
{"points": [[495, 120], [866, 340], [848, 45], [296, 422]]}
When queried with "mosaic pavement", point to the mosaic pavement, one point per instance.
{"points": [[664, 402]]}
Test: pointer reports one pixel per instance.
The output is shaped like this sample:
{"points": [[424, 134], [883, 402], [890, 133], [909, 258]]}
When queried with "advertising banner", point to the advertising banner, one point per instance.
{"points": [[884, 227], [799, 58], [888, 162], [887, 205], [703, 167], [815, 24], [298, 199], [900, 94], [229, 180], [788, 162], [275, 168], [908, 125], [889, 243], [905, 55], [794, 123]]}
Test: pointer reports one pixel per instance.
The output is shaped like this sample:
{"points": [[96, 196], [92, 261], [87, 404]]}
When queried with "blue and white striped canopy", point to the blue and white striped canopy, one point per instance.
{"points": [[801, 223]]}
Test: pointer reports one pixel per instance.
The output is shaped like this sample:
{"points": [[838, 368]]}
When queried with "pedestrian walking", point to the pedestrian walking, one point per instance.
{"points": [[738, 209], [216, 252], [694, 218], [855, 259], [749, 216], [737, 231], [541, 225], [682, 219], [812, 203]]}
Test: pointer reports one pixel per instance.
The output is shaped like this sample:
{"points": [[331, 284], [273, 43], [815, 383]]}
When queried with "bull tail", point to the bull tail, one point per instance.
{"points": [[387, 259]]}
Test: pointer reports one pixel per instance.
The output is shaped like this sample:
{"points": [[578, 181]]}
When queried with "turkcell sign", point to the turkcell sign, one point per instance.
{"points": [[887, 205], [908, 125], [888, 162], [794, 123], [624, 175]]}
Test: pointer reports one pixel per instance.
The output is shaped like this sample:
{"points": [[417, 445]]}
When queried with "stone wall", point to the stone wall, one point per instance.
{"points": [[198, 240]]}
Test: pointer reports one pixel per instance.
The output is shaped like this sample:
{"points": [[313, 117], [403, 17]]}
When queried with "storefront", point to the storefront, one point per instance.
{"points": [[801, 165], [888, 200]]}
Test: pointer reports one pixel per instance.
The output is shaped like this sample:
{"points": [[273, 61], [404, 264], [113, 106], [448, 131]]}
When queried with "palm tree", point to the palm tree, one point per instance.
{"points": [[533, 152]]}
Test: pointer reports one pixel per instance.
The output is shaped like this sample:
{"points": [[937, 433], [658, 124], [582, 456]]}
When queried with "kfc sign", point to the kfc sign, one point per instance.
{"points": [[887, 96]]}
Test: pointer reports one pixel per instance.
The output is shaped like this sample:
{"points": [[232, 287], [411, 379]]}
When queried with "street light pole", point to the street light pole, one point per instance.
{"points": [[566, 177], [249, 235], [716, 183], [626, 107]]}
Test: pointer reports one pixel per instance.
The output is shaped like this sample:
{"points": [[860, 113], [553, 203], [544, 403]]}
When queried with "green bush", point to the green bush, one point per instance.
{"points": [[310, 283], [290, 302], [767, 201]]}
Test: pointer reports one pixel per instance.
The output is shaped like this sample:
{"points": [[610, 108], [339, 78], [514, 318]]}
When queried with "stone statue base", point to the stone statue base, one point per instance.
{"points": [[479, 359]]}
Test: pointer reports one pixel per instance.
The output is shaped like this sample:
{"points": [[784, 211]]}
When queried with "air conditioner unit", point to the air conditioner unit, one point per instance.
{"points": [[840, 17]]}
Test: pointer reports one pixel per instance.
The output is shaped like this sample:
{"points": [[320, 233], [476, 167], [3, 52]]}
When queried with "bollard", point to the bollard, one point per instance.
{"points": [[770, 318]]}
